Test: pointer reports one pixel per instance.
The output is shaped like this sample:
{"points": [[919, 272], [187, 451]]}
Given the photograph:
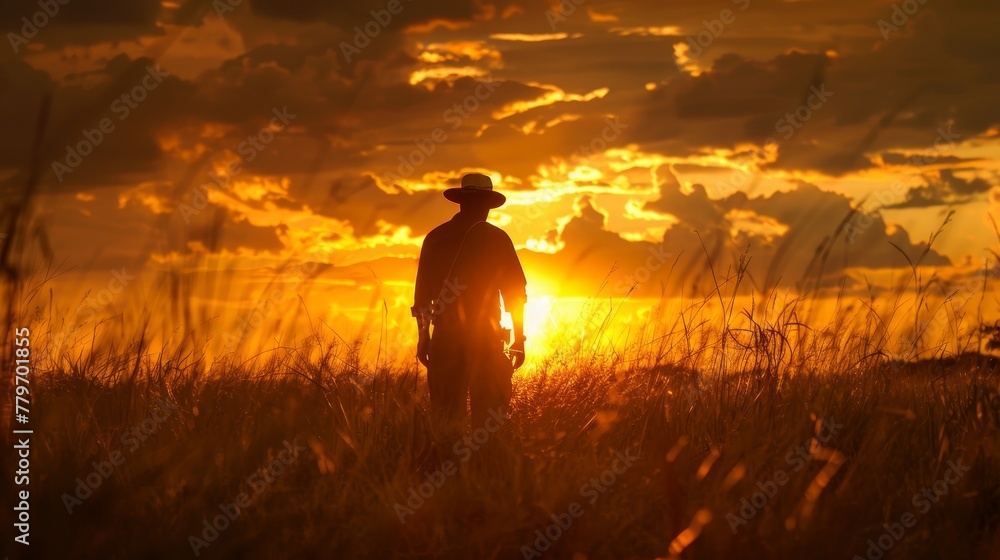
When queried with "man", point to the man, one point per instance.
{"points": [[465, 265]]}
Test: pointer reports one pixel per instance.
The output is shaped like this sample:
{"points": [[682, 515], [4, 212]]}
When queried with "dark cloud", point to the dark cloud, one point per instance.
{"points": [[22, 89], [590, 254], [75, 151], [898, 158], [348, 15], [737, 87], [694, 209], [228, 232], [946, 188], [812, 250], [136, 13], [737, 101], [885, 95], [364, 205], [961, 186]]}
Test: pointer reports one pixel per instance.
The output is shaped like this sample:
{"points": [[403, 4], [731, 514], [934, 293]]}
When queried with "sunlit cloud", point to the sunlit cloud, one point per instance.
{"points": [[634, 211], [685, 62], [454, 51], [434, 24], [544, 246], [552, 95], [147, 194], [445, 73], [747, 221], [599, 17], [662, 31], [533, 38]]}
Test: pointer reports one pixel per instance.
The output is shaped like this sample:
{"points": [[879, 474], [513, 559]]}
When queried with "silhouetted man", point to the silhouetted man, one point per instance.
{"points": [[465, 265]]}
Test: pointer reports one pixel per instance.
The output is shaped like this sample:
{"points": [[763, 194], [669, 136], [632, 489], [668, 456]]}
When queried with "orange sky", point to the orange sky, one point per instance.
{"points": [[641, 136]]}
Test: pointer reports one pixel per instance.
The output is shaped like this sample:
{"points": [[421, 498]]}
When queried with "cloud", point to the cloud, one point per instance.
{"points": [[901, 158], [356, 119], [362, 203], [106, 20], [357, 13], [801, 241], [694, 209], [75, 149], [946, 188], [885, 95]]}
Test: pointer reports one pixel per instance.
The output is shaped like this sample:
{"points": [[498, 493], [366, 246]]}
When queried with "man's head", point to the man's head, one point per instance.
{"points": [[476, 194], [476, 209]]}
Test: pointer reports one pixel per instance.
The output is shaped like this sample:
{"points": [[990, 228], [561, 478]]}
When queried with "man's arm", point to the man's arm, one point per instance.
{"points": [[517, 317], [517, 347], [513, 288], [421, 306]]}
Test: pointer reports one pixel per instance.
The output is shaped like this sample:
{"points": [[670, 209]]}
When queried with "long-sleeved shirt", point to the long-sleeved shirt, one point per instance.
{"points": [[464, 266]]}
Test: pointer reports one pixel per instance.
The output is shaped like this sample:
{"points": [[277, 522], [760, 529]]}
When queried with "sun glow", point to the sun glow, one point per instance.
{"points": [[538, 319], [538, 316]]}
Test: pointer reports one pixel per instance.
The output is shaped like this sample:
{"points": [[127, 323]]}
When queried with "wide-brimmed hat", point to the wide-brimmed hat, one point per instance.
{"points": [[476, 188]]}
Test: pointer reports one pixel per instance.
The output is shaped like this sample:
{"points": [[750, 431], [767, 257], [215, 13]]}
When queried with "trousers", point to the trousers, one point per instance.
{"points": [[468, 365]]}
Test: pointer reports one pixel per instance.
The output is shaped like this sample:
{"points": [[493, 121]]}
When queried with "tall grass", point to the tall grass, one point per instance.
{"points": [[703, 443], [712, 408]]}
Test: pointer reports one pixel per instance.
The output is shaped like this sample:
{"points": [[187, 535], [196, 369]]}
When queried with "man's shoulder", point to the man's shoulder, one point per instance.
{"points": [[493, 231], [453, 229], [438, 232], [488, 236]]}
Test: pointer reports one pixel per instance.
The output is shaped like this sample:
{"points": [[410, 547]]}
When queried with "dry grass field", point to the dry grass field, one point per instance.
{"points": [[716, 442]]}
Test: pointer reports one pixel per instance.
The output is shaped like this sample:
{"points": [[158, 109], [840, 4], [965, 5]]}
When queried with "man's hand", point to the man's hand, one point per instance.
{"points": [[517, 352], [517, 318], [423, 333], [423, 349]]}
